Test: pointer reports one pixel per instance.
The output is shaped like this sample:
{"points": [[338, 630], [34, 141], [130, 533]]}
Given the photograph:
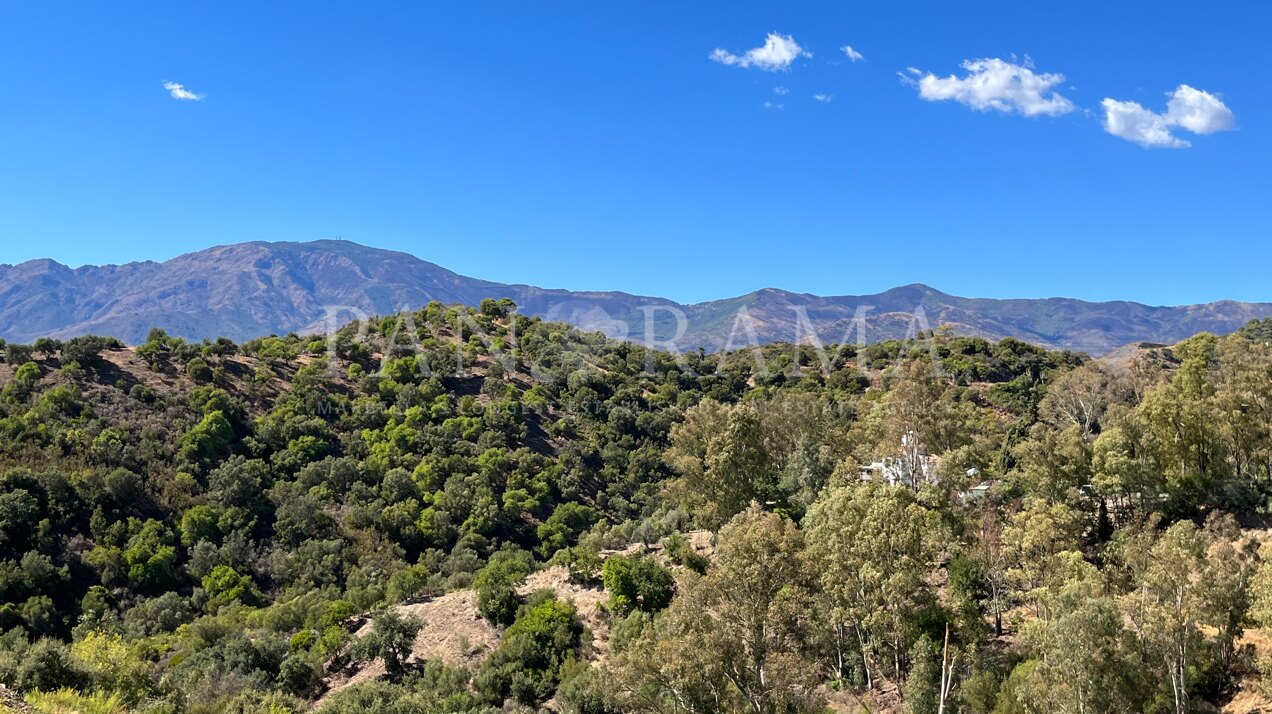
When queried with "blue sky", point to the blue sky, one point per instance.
{"points": [[598, 145]]}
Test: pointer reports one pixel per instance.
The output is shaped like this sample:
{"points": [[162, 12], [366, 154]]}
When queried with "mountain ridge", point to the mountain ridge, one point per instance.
{"points": [[245, 290]]}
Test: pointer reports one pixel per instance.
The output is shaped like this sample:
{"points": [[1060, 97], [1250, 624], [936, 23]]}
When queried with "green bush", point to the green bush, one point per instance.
{"points": [[583, 691], [225, 585], [563, 527], [527, 664], [496, 584], [48, 666], [682, 553], [299, 674], [637, 583], [69, 700], [198, 371]]}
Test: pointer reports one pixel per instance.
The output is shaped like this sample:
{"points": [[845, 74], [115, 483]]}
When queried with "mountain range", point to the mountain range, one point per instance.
{"points": [[248, 290]]}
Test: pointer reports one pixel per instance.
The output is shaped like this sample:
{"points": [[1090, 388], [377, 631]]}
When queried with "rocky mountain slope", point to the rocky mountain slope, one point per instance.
{"points": [[250, 289]]}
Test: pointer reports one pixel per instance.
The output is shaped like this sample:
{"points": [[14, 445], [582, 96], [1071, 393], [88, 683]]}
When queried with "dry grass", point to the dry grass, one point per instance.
{"points": [[456, 635], [11, 703], [453, 633], [885, 699]]}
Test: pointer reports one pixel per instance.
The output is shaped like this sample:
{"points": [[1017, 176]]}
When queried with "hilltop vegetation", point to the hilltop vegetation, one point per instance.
{"points": [[205, 526]]}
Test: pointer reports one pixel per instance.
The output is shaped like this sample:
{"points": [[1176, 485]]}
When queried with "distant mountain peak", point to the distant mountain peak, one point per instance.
{"points": [[246, 290]]}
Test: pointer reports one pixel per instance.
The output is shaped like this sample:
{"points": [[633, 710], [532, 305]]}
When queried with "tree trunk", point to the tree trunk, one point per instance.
{"points": [[947, 673], [838, 649], [865, 658]]}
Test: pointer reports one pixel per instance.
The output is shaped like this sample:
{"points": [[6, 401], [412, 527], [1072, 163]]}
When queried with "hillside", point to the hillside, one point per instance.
{"points": [[246, 290], [559, 520]]}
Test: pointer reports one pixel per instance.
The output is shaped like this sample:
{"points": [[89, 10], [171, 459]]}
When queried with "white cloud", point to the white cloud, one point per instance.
{"points": [[1133, 122], [1199, 112], [1189, 109], [777, 54], [853, 55], [774, 106], [995, 84], [823, 98], [781, 91], [180, 92]]}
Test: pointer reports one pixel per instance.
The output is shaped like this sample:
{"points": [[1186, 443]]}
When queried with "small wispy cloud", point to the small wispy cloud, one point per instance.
{"points": [[178, 91], [777, 54], [823, 98], [1190, 109], [995, 84], [781, 91], [774, 106], [852, 54]]}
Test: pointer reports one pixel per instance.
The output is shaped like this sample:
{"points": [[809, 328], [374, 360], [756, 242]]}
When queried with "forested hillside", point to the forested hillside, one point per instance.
{"points": [[946, 524]]}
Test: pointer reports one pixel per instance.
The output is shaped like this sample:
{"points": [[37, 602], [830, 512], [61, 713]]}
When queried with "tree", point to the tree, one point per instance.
{"points": [[1243, 406], [988, 550], [1166, 604], [1040, 544], [637, 584], [1181, 426], [735, 639], [299, 673], [923, 686], [1023, 692], [502, 307], [225, 585], [20, 511], [1053, 463], [1261, 602], [391, 638], [1078, 398], [16, 353], [208, 440], [759, 601], [19, 389], [87, 350], [681, 552], [496, 585], [199, 371], [584, 690], [1086, 660], [803, 442], [719, 452], [46, 346], [150, 558], [563, 527], [1124, 466], [1225, 580], [873, 545], [48, 666]]}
